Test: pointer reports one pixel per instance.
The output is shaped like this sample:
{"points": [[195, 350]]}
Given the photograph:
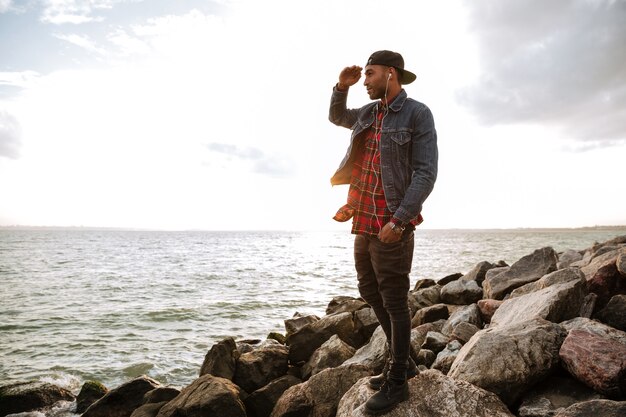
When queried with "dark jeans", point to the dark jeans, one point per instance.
{"points": [[383, 274]]}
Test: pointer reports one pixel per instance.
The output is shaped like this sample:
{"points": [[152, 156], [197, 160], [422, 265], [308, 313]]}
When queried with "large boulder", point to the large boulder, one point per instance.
{"points": [[430, 314], [305, 341], [466, 314], [507, 360], [487, 308], [555, 303], [557, 277], [332, 353], [320, 395], [425, 297], [528, 269], [431, 394], [478, 272], [29, 396], [262, 401], [221, 359], [342, 304], [621, 262], [123, 400], [603, 277], [461, 292], [595, 408], [365, 322], [207, 396], [596, 327], [257, 368], [298, 321], [597, 360], [372, 355]]}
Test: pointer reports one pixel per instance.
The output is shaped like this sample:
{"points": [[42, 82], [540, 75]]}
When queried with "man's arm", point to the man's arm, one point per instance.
{"points": [[339, 113]]}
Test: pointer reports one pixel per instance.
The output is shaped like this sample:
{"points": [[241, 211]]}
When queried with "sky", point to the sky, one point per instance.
{"points": [[213, 115]]}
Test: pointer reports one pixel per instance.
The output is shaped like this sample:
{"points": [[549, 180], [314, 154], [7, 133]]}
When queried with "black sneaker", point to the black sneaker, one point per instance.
{"points": [[377, 381], [390, 394]]}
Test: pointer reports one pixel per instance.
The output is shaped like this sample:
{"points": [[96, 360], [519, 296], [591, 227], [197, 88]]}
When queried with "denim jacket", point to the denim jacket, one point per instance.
{"points": [[408, 150]]}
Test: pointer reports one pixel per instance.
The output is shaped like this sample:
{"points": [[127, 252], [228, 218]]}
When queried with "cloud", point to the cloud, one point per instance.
{"points": [[5, 5], [271, 165], [81, 41], [10, 136], [74, 11], [557, 63]]}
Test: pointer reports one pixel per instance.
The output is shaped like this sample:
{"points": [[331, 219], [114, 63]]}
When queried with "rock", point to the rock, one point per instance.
{"points": [[487, 308], [603, 278], [461, 292], [425, 297], [298, 321], [463, 332], [588, 306], [365, 322], [331, 354], [373, 354], [449, 278], [305, 341], [280, 338], [206, 396], [257, 368], [123, 400], [598, 361], [597, 408], [160, 394], [557, 277], [495, 271], [424, 283], [320, 395], [446, 357], [262, 401], [341, 304], [90, 392], [468, 314], [431, 394], [568, 257], [430, 314], [221, 359], [614, 314], [478, 272], [507, 360], [29, 396], [596, 327], [426, 358], [435, 342], [621, 262], [555, 303], [528, 269], [554, 394], [148, 410]]}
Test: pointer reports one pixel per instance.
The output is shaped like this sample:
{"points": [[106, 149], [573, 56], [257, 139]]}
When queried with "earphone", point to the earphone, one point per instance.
{"points": [[389, 76]]}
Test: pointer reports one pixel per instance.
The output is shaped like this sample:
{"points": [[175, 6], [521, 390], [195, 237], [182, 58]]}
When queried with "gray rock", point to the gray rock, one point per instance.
{"points": [[495, 271], [206, 396], [621, 262], [461, 292], [373, 354], [487, 308], [424, 283], [507, 360], [446, 357], [528, 269], [262, 401], [123, 400], [467, 314], [596, 360], [257, 368], [365, 322], [418, 334], [568, 257], [597, 408], [556, 277], [435, 342], [305, 341], [555, 303], [431, 394], [298, 321], [478, 272], [221, 359], [148, 410], [28, 396], [425, 297], [90, 392], [603, 278], [463, 332], [320, 395], [449, 278], [430, 314], [596, 327], [332, 353], [614, 314], [554, 394], [161, 394], [342, 303], [426, 358]]}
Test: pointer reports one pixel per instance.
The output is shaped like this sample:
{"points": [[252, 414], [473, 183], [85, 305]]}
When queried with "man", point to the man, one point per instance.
{"points": [[391, 166]]}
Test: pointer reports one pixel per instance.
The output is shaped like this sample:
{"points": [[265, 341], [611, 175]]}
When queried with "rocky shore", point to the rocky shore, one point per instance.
{"points": [[543, 337]]}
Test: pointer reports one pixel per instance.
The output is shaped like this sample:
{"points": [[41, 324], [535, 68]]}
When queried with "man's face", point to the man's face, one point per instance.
{"points": [[376, 81]]}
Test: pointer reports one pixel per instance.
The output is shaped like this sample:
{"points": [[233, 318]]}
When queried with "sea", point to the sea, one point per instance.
{"points": [[110, 305]]}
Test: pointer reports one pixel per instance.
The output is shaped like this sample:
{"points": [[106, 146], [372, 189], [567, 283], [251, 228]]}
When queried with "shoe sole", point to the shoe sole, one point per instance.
{"points": [[371, 412]]}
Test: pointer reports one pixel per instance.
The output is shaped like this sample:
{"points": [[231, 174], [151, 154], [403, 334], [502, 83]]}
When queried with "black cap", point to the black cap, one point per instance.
{"points": [[392, 59]]}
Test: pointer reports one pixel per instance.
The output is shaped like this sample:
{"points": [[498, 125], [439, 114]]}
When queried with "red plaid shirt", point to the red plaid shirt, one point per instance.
{"points": [[366, 197]]}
